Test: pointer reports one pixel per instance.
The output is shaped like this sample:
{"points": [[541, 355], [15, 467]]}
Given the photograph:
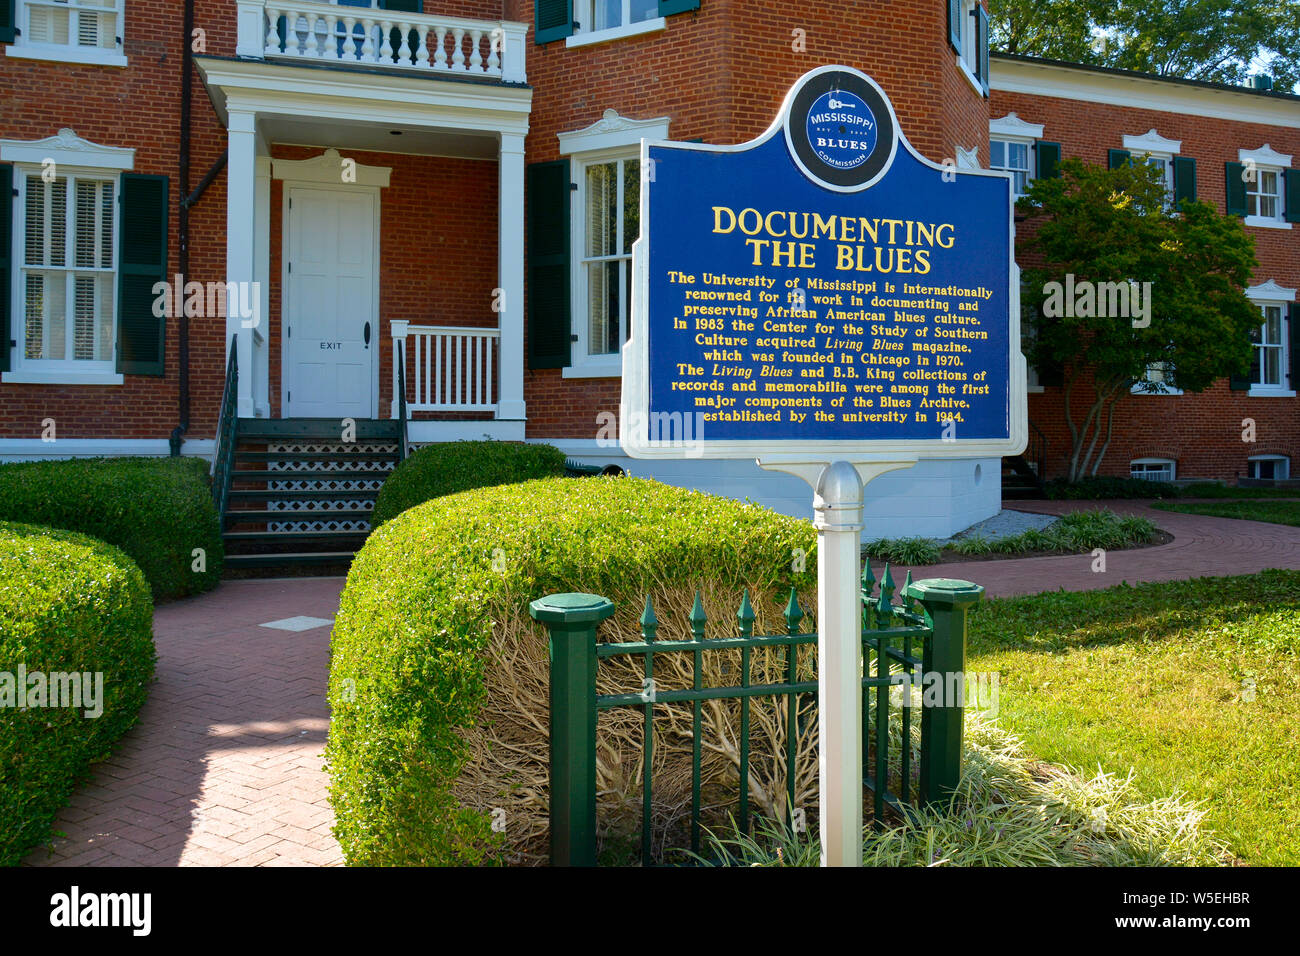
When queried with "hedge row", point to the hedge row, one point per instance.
{"points": [[157, 510], [446, 468], [438, 597], [68, 604]]}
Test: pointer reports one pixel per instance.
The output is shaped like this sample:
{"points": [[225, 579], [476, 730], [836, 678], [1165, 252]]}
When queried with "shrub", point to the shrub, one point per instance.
{"points": [[68, 603], [438, 677], [1107, 487], [157, 510], [446, 468], [904, 551]]}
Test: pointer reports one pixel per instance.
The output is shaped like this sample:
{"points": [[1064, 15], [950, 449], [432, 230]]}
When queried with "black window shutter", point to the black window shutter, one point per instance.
{"points": [[552, 20], [1293, 346], [954, 24], [141, 264], [7, 331], [549, 279], [1239, 383], [8, 21], [982, 47], [1234, 177], [1115, 158], [668, 7], [1049, 159], [1291, 178], [1184, 179]]}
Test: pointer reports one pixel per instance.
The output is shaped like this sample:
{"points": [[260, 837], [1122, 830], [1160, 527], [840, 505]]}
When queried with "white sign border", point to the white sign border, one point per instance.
{"points": [[634, 403]]}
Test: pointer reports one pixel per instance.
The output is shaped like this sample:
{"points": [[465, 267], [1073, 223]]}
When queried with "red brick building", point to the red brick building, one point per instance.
{"points": [[329, 178]]}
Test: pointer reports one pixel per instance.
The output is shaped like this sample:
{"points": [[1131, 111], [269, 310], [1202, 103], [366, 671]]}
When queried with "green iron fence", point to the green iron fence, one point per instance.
{"points": [[922, 639]]}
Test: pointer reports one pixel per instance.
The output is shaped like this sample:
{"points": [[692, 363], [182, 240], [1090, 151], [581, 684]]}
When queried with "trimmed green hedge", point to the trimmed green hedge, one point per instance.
{"points": [[157, 510], [446, 468], [434, 588], [68, 603]]}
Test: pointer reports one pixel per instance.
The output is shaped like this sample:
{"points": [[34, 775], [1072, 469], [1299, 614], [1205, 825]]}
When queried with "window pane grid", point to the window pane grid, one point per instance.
{"points": [[612, 222], [82, 23], [1264, 195], [68, 310], [1269, 359]]}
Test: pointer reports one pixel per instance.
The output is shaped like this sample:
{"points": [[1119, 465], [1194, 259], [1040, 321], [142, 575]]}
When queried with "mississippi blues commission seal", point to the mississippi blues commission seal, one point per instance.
{"points": [[841, 130]]}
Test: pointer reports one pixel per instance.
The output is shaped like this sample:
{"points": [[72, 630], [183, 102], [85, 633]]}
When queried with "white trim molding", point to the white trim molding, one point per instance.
{"points": [[1266, 155], [1153, 143], [66, 148], [327, 168], [612, 131], [1083, 85], [616, 33], [1270, 291], [1012, 126], [34, 449]]}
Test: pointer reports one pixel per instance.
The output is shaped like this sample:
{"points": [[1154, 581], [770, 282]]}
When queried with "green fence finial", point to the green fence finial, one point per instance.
{"points": [[792, 614], [745, 615], [649, 623], [698, 618]]}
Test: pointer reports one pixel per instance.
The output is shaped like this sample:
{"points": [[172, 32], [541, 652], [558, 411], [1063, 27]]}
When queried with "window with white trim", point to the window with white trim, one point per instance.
{"points": [[1269, 363], [66, 276], [1269, 467], [79, 31], [1152, 469], [1264, 194], [1016, 157], [609, 201], [596, 16], [1160, 376]]}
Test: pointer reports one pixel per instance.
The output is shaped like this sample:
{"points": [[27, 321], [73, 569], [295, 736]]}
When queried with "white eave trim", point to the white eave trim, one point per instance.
{"points": [[1270, 291], [1012, 126], [325, 168], [364, 97], [1140, 92], [612, 131], [1266, 155], [1152, 142], [66, 148]]}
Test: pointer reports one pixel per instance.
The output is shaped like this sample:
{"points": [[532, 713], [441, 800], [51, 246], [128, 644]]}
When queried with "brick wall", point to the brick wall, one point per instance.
{"points": [[1202, 433]]}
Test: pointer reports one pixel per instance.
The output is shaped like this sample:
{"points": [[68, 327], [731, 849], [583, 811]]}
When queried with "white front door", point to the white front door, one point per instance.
{"points": [[331, 308]]}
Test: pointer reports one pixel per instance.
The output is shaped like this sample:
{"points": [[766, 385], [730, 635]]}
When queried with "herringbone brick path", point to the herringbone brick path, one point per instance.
{"points": [[224, 766]]}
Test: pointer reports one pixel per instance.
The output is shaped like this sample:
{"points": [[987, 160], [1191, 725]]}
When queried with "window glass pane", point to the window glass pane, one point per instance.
{"points": [[1273, 325], [644, 10], [603, 293], [45, 309], [631, 203], [602, 209], [607, 14], [1017, 155], [997, 154], [1272, 366]]}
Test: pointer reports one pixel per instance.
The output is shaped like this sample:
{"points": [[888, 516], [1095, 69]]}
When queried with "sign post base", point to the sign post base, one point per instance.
{"points": [[837, 505]]}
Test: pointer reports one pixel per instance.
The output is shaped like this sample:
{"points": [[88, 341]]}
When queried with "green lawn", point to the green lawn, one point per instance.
{"points": [[1278, 512], [1194, 685]]}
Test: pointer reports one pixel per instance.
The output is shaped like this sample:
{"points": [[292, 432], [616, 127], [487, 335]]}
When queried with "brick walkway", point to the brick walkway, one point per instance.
{"points": [[224, 765], [1201, 547]]}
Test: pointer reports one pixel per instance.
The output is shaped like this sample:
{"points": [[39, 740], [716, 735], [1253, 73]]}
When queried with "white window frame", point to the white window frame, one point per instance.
{"points": [[1012, 130], [1271, 294], [612, 137], [1152, 146], [1286, 467], [968, 57], [585, 35], [1266, 160], [1173, 468], [24, 48], [71, 156]]}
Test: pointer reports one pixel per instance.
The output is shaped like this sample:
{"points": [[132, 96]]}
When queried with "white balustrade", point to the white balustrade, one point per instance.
{"points": [[324, 30], [449, 368]]}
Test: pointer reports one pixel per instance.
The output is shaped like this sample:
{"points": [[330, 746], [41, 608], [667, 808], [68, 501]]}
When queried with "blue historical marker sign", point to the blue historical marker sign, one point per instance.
{"points": [[822, 288]]}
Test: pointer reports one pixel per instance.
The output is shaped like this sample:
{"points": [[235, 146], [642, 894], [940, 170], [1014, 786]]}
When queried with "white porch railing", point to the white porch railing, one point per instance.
{"points": [[324, 31], [450, 369]]}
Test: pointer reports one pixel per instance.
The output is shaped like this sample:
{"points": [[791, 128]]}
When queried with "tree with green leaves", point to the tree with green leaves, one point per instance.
{"points": [[1128, 292], [1222, 41]]}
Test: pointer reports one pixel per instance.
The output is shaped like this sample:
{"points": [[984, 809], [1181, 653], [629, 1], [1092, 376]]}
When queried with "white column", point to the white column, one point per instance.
{"points": [[510, 271], [241, 173], [251, 38], [513, 52], [399, 351], [262, 270], [838, 508]]}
